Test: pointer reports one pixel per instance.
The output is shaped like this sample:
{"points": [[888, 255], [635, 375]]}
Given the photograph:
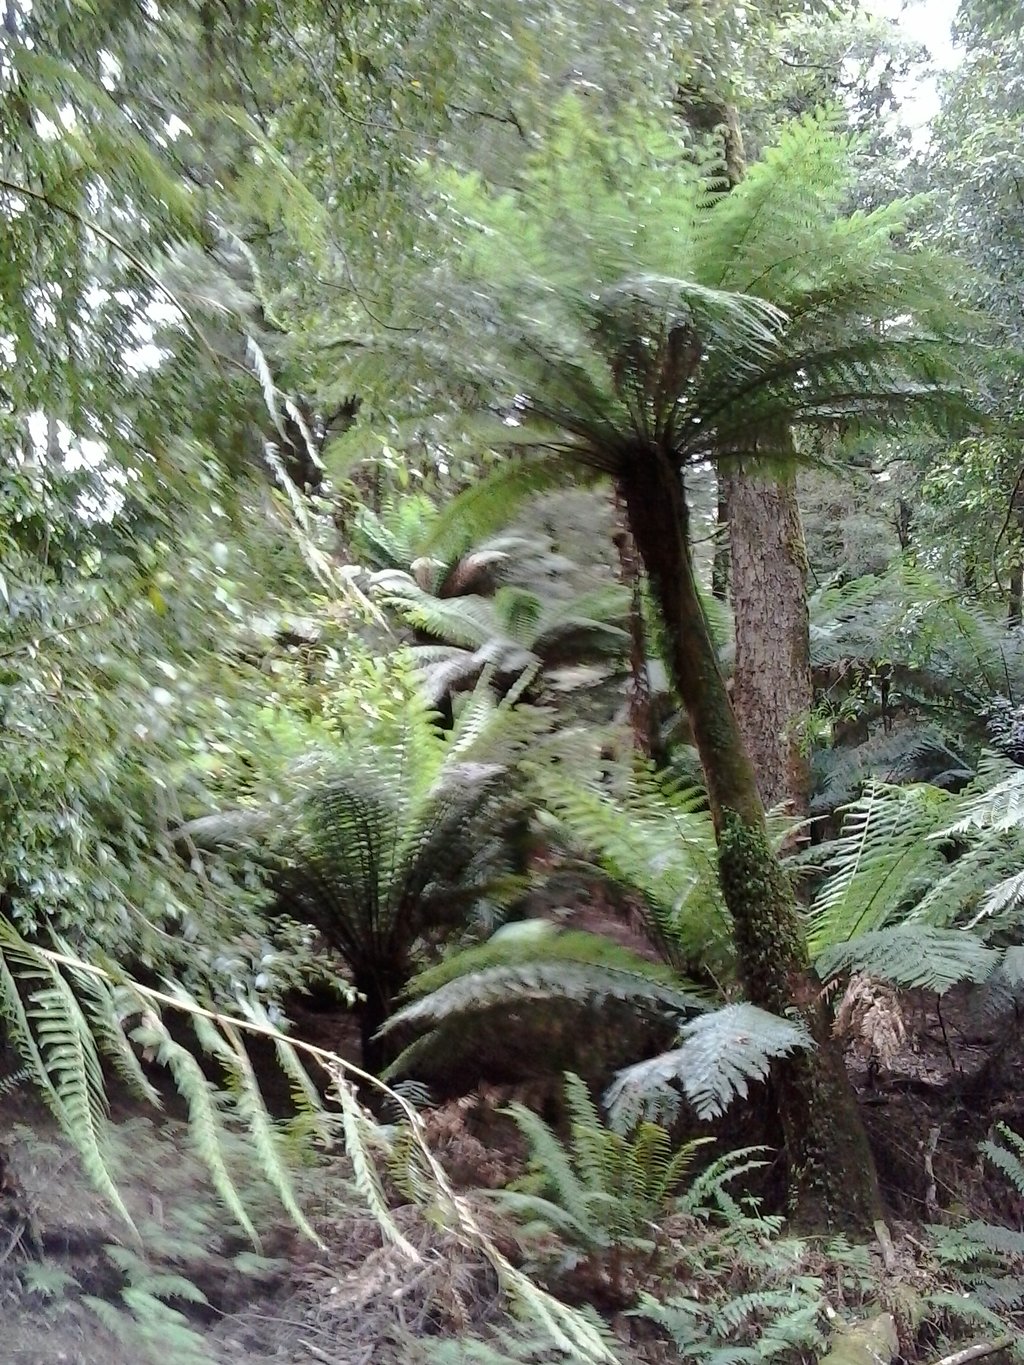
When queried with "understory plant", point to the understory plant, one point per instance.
{"points": [[603, 1195], [670, 1023], [396, 833]]}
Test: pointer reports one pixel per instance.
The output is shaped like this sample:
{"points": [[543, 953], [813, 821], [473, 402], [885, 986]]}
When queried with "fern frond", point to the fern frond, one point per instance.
{"points": [[531, 975], [204, 1110], [997, 802], [1002, 992], [558, 1171], [722, 1052], [654, 839], [885, 847], [910, 754], [489, 504], [1007, 1155], [617, 972], [912, 955]]}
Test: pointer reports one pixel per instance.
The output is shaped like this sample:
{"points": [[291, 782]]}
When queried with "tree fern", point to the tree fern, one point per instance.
{"points": [[411, 538], [515, 631], [395, 829]]}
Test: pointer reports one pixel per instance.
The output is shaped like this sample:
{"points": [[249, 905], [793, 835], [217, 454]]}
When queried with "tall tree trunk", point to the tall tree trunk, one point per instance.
{"points": [[833, 1183], [638, 689], [720, 566], [772, 690], [767, 565]]}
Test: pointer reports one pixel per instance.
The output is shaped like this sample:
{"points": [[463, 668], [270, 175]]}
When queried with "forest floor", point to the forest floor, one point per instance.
{"points": [[75, 1286]]}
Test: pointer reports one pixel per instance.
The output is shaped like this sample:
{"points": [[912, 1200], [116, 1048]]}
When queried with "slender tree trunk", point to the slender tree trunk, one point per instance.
{"points": [[720, 567], [833, 1183], [638, 689], [1015, 595], [772, 690]]}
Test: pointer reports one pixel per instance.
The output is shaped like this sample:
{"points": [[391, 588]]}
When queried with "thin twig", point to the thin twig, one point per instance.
{"points": [[931, 1202]]}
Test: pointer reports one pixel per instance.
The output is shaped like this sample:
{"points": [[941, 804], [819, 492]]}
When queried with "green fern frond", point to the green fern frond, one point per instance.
{"points": [[654, 839], [890, 758], [886, 846], [601, 1188], [61, 1049], [204, 1112], [1001, 994], [210, 1113], [527, 973], [912, 955], [627, 974], [488, 505], [1007, 1155], [722, 1052], [996, 803]]}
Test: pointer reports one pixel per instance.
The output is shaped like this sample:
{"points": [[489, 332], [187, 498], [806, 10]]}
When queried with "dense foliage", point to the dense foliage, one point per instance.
{"points": [[373, 380]]}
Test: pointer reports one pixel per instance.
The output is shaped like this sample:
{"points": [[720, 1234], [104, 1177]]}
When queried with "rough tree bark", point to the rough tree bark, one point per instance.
{"points": [[765, 567], [720, 566], [772, 690], [833, 1183]]}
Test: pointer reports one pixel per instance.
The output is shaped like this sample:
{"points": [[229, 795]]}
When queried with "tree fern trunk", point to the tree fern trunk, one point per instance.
{"points": [[832, 1175], [379, 990]]}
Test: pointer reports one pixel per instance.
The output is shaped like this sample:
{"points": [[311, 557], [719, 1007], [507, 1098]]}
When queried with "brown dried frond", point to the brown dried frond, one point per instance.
{"points": [[870, 1020]]}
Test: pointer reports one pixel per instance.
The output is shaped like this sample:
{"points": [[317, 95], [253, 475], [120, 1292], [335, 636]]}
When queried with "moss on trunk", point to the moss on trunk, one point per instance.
{"points": [[833, 1184]]}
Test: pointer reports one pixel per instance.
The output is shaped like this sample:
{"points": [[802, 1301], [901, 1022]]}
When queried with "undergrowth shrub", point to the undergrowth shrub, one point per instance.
{"points": [[621, 1222]]}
